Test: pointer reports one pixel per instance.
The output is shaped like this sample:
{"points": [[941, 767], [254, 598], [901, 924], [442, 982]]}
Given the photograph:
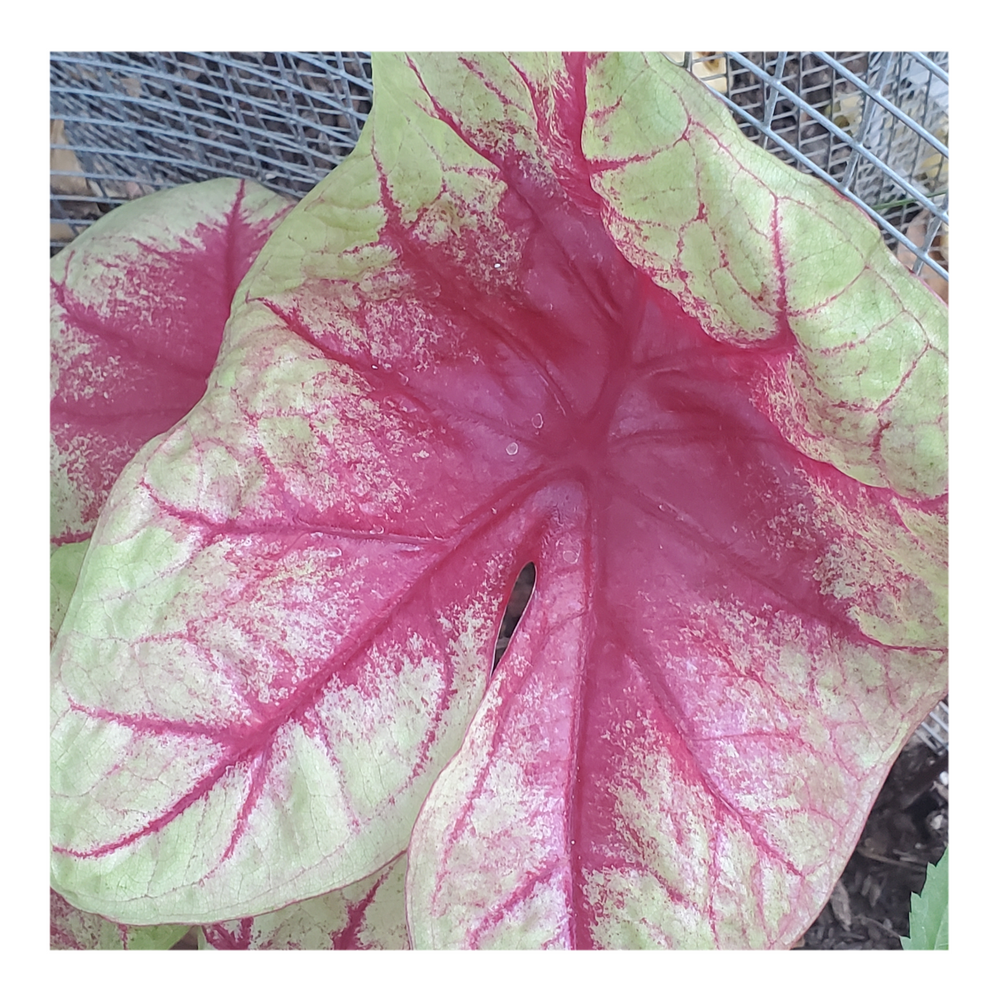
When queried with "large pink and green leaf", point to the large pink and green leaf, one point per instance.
{"points": [[138, 305], [552, 309]]}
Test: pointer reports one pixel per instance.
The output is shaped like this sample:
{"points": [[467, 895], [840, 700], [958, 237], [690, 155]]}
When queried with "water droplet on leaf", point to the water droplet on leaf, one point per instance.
{"points": [[512, 448], [537, 420]]}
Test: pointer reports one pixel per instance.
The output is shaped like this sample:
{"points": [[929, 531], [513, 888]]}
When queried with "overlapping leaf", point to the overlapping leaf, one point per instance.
{"points": [[929, 911], [552, 310], [139, 302], [71, 929], [368, 915]]}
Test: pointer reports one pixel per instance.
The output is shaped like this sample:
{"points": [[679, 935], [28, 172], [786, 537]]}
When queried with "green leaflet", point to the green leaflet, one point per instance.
{"points": [[929, 911]]}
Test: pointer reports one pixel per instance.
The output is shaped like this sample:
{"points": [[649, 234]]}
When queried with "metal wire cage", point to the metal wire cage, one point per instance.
{"points": [[126, 124], [874, 125]]}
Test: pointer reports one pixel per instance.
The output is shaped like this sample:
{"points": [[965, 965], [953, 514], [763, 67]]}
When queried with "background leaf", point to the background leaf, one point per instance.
{"points": [[71, 929], [929, 911], [139, 302]]}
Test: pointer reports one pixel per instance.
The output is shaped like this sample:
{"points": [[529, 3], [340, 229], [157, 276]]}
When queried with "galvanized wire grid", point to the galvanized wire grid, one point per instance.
{"points": [[127, 124], [874, 125], [934, 729]]}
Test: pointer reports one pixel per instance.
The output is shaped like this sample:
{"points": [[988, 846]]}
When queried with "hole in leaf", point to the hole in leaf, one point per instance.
{"points": [[523, 586]]}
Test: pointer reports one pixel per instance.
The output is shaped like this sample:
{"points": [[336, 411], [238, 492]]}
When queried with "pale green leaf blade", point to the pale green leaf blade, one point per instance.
{"points": [[929, 911], [71, 929], [64, 570]]}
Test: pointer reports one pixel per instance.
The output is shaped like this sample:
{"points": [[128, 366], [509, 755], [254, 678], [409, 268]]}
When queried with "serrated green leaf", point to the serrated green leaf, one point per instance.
{"points": [[929, 911]]}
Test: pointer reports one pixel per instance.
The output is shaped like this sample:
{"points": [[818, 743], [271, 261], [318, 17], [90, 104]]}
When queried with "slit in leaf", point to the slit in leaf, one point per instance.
{"points": [[523, 586]]}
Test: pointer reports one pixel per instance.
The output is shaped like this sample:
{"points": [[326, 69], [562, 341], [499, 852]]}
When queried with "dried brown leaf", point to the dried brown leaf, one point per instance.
{"points": [[840, 903], [66, 175], [916, 232]]}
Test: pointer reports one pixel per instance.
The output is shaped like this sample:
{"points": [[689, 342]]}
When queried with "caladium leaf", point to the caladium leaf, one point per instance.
{"points": [[552, 309], [368, 915], [138, 305], [71, 929]]}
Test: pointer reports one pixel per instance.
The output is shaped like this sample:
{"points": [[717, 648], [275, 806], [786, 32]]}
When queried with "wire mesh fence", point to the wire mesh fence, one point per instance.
{"points": [[127, 124], [934, 729], [874, 125]]}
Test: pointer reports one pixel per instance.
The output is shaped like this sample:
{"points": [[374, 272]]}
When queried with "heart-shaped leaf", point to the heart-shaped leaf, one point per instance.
{"points": [[552, 309], [139, 303]]}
